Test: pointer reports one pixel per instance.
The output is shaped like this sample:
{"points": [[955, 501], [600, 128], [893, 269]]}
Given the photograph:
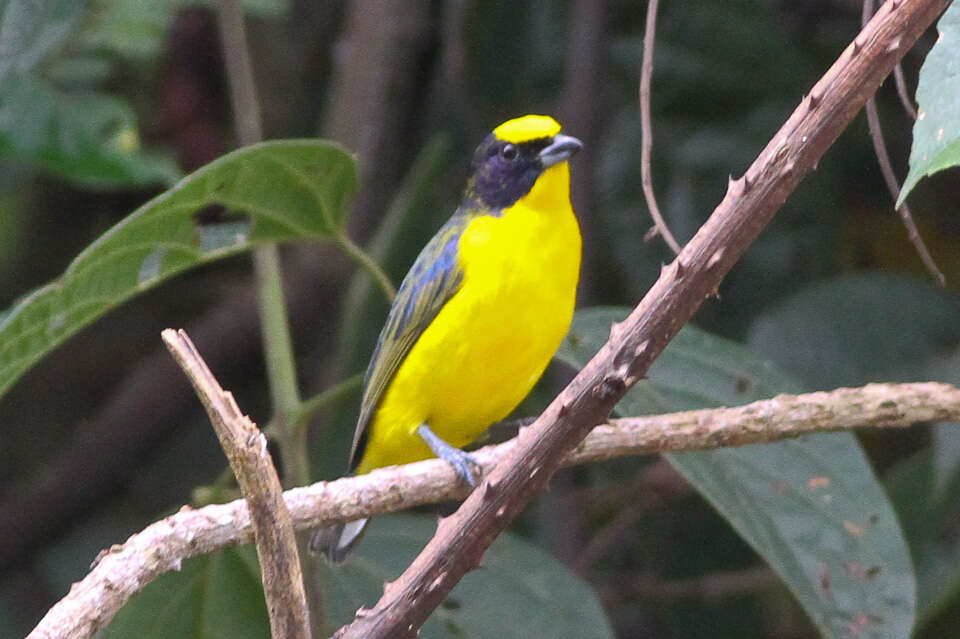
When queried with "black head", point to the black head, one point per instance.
{"points": [[504, 170]]}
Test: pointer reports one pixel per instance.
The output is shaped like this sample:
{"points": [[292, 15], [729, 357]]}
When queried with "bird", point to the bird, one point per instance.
{"points": [[478, 316]]}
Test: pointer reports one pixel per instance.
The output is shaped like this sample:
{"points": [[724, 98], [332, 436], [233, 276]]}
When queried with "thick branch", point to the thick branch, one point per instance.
{"points": [[124, 570], [748, 206], [246, 449]]}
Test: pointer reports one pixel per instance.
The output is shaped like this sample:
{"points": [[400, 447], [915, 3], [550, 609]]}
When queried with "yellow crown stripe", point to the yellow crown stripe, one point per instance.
{"points": [[529, 127]]}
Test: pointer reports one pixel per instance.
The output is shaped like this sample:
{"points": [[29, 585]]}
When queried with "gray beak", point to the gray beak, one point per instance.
{"points": [[562, 147]]}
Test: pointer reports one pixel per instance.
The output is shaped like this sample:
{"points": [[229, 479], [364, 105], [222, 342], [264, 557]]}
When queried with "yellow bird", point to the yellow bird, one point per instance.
{"points": [[478, 317]]}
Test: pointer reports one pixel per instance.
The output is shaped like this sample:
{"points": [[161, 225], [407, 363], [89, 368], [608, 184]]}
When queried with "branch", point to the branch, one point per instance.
{"points": [[124, 570], [646, 129], [750, 203], [246, 449], [883, 158]]}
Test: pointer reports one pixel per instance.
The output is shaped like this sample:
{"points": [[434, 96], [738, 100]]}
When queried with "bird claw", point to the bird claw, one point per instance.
{"points": [[467, 469]]}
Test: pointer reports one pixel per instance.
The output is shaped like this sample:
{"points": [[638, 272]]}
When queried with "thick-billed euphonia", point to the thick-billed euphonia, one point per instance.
{"points": [[479, 315]]}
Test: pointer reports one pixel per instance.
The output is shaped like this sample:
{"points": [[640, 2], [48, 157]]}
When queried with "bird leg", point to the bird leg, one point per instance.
{"points": [[467, 468]]}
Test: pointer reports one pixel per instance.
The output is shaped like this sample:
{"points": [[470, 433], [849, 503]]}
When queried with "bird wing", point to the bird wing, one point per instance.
{"points": [[432, 280]]}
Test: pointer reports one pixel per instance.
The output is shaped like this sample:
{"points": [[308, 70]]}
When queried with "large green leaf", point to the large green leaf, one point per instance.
{"points": [[854, 329], [812, 507], [936, 133], [929, 514], [520, 592], [275, 191]]}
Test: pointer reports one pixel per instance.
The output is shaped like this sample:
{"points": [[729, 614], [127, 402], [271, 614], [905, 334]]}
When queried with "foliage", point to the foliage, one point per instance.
{"points": [[824, 298], [936, 134], [812, 508]]}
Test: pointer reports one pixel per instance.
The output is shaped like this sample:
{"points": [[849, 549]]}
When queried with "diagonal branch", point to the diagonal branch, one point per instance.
{"points": [[124, 570], [750, 203]]}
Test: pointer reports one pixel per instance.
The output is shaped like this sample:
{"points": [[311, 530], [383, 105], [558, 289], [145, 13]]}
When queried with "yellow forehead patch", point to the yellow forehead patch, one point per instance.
{"points": [[529, 127]]}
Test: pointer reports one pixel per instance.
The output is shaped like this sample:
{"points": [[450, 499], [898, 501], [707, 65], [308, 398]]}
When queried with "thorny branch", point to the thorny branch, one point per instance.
{"points": [[124, 570], [750, 203]]}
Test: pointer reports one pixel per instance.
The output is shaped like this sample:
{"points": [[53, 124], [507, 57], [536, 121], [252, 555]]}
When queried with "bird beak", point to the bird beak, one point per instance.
{"points": [[562, 147]]}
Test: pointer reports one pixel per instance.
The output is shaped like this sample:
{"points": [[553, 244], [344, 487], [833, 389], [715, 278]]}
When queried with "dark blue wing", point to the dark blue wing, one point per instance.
{"points": [[432, 280]]}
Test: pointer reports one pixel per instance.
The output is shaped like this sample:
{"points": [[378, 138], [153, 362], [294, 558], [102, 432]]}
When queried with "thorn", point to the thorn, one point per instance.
{"points": [[501, 512], [813, 101], [664, 269], [858, 44], [894, 45], [894, 4], [563, 410], [747, 181], [715, 258], [639, 350], [616, 330], [436, 583], [681, 266], [490, 489], [789, 167]]}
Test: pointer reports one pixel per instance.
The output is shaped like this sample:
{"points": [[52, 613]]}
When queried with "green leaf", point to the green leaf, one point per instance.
{"points": [[812, 507], [270, 192], [929, 515], [78, 135], [936, 133], [87, 138], [211, 597], [521, 591], [855, 329], [29, 31]]}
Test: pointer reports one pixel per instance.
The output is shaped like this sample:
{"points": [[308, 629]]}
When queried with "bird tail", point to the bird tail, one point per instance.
{"points": [[337, 541]]}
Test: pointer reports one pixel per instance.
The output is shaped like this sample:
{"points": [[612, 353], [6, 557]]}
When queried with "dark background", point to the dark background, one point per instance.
{"points": [[104, 436]]}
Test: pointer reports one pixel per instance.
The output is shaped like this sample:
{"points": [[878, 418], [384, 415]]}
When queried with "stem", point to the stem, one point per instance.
{"points": [[358, 255], [281, 371], [274, 323]]}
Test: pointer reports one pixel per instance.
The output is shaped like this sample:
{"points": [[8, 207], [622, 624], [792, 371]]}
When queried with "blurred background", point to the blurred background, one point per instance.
{"points": [[104, 436]]}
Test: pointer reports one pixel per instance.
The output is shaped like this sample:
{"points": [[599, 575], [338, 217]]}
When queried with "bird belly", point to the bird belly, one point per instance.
{"points": [[489, 344]]}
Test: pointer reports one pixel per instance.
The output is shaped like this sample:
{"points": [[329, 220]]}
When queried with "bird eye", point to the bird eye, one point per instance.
{"points": [[509, 152]]}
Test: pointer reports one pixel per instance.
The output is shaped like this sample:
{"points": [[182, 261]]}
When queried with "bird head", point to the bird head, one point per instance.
{"points": [[509, 161]]}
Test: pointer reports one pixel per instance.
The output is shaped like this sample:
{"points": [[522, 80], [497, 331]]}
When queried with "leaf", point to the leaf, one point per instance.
{"points": [[270, 192], [212, 597], [854, 329], [86, 138], [78, 135], [936, 133], [521, 592], [29, 31], [812, 507], [929, 516]]}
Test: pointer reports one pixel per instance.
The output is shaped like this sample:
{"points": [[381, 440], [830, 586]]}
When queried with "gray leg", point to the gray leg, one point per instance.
{"points": [[465, 466]]}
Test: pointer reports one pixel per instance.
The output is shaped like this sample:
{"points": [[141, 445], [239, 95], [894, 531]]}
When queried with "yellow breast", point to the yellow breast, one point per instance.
{"points": [[492, 340]]}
